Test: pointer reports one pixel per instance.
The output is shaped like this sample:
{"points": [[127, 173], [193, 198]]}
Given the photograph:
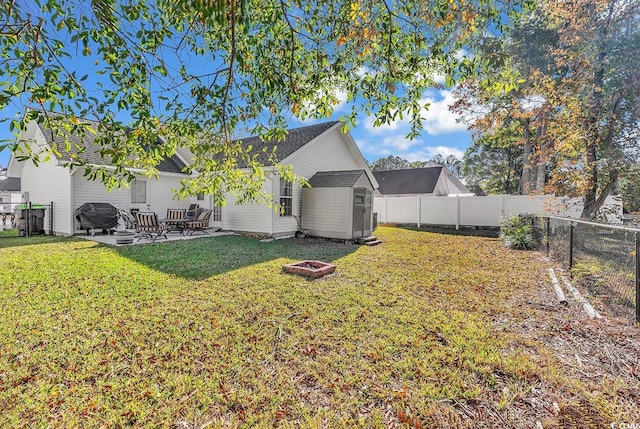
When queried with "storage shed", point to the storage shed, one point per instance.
{"points": [[338, 205]]}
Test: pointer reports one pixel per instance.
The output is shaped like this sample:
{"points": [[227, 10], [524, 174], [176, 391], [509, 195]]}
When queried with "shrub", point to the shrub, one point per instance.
{"points": [[518, 232]]}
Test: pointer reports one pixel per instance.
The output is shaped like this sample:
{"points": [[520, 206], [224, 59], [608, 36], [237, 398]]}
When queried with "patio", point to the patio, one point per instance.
{"points": [[111, 239]]}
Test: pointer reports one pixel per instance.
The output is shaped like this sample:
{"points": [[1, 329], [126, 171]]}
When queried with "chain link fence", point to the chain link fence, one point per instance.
{"points": [[601, 258]]}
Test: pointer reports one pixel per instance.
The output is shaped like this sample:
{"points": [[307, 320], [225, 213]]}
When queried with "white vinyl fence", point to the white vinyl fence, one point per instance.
{"points": [[472, 210]]}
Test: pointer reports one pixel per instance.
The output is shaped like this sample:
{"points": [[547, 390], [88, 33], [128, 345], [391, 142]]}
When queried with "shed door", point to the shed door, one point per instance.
{"points": [[362, 198]]}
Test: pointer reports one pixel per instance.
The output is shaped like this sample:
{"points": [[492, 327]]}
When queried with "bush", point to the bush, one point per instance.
{"points": [[518, 232]]}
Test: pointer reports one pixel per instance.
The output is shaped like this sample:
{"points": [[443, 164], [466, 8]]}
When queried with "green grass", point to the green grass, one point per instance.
{"points": [[211, 332]]}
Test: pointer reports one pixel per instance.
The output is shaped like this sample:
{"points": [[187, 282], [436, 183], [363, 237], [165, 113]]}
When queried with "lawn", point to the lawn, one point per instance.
{"points": [[425, 330]]}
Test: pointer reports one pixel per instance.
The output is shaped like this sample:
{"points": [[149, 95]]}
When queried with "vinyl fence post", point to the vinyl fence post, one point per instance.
{"points": [[637, 278], [570, 247], [457, 212], [386, 210]]}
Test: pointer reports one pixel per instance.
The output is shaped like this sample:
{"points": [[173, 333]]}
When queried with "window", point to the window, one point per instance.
{"points": [[138, 192], [286, 200], [200, 196]]}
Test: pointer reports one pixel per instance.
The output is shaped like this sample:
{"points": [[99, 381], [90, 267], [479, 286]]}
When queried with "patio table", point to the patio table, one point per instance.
{"points": [[179, 223]]}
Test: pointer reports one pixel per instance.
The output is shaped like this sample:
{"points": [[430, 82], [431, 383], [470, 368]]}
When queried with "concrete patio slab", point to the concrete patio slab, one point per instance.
{"points": [[111, 239]]}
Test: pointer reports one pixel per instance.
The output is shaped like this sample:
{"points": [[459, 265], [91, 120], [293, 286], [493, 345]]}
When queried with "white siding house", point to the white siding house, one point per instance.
{"points": [[320, 147], [10, 193], [309, 150], [50, 182]]}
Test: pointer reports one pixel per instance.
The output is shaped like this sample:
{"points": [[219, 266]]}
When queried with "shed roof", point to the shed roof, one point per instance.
{"points": [[91, 152], [10, 184], [408, 181], [336, 179]]}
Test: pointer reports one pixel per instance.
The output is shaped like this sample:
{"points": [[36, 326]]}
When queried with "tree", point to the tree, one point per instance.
{"points": [[198, 73], [599, 49], [396, 163], [517, 121], [576, 108], [390, 163], [495, 169], [630, 188]]}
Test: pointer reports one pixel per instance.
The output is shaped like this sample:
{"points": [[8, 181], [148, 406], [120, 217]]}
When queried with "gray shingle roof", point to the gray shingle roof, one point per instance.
{"points": [[408, 181], [92, 151], [11, 184], [295, 139], [335, 179]]}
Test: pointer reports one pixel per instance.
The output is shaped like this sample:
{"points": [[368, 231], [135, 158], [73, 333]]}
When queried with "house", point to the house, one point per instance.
{"points": [[309, 150], [50, 181], [432, 181], [10, 194], [316, 148]]}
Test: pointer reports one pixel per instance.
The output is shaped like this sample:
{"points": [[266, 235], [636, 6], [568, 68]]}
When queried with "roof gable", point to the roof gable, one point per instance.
{"points": [[336, 179], [408, 181], [295, 139], [91, 151]]}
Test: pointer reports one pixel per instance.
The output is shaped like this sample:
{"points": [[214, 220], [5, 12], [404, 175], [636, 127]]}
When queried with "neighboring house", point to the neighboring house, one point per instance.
{"points": [[310, 149], [430, 181], [50, 181], [10, 195]]}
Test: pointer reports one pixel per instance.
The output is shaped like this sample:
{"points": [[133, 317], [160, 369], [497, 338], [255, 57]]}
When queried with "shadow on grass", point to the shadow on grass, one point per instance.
{"points": [[467, 232], [11, 238], [205, 257]]}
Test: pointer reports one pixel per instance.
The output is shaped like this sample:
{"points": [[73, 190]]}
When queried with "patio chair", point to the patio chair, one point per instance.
{"points": [[129, 221], [192, 211], [200, 224], [176, 219], [150, 227]]}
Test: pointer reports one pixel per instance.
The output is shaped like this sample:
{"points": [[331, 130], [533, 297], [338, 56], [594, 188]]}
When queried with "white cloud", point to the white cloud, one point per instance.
{"points": [[310, 105], [399, 142], [439, 78], [376, 150], [384, 128], [429, 152], [437, 118]]}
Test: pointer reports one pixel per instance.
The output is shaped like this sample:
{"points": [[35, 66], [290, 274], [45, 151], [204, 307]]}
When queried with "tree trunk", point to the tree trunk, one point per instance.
{"points": [[591, 204], [525, 180], [541, 171], [590, 211]]}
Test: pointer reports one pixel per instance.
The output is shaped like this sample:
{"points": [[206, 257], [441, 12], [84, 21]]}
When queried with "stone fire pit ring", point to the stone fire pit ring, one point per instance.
{"points": [[310, 269]]}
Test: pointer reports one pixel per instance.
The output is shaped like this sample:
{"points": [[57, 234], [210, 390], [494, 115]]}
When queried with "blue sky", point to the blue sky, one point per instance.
{"points": [[442, 133]]}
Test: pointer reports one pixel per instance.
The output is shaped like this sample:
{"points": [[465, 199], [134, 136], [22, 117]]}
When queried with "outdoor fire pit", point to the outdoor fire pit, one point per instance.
{"points": [[311, 269]]}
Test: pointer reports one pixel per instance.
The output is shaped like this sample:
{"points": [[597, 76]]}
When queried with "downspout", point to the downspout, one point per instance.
{"points": [[271, 211], [71, 203]]}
